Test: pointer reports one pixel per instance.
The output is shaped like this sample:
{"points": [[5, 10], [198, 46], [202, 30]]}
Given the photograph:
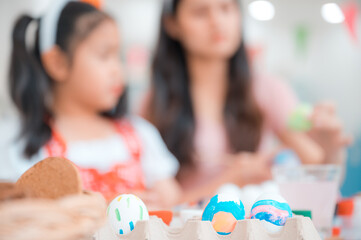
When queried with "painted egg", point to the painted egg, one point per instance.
{"points": [[124, 212], [223, 211], [272, 210], [299, 119]]}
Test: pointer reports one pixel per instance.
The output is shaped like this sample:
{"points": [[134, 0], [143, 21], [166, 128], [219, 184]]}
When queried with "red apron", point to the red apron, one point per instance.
{"points": [[121, 178]]}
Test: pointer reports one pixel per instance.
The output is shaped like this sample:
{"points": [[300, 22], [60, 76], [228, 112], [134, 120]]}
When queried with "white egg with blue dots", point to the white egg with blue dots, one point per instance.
{"points": [[124, 212]]}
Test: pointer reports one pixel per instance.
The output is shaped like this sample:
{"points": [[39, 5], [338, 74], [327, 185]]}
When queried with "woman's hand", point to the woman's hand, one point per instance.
{"points": [[164, 195], [250, 168], [327, 130]]}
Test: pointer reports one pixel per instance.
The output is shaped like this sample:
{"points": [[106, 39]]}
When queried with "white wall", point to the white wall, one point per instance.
{"points": [[331, 68]]}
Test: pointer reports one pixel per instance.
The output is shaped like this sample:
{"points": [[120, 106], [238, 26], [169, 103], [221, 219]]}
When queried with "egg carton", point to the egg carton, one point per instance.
{"points": [[296, 228]]}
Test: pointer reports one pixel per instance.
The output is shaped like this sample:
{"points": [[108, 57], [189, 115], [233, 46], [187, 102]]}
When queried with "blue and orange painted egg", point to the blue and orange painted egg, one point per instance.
{"points": [[124, 212], [224, 210], [272, 210]]}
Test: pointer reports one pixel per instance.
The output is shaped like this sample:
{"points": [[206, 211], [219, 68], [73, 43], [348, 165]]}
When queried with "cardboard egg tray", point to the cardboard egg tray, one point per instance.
{"points": [[296, 228]]}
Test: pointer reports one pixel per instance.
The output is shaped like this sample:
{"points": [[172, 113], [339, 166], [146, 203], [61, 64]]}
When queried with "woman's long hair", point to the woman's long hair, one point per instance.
{"points": [[170, 107], [30, 85]]}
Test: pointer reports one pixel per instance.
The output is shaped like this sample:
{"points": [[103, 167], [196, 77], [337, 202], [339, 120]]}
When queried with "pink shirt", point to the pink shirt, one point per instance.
{"points": [[276, 101]]}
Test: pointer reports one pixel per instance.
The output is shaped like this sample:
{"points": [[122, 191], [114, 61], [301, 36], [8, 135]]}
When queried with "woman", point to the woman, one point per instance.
{"points": [[213, 113]]}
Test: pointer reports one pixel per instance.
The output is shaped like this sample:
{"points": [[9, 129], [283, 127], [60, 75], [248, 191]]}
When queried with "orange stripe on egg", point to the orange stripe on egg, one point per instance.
{"points": [[96, 3]]}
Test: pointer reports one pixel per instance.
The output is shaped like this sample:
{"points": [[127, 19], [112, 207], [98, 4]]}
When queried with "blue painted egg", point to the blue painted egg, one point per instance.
{"points": [[224, 210]]}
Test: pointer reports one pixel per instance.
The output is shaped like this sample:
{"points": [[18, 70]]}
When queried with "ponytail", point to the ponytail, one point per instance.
{"points": [[29, 86]]}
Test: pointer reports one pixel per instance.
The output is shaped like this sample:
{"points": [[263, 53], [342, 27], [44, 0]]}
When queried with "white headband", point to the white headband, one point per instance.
{"points": [[48, 25]]}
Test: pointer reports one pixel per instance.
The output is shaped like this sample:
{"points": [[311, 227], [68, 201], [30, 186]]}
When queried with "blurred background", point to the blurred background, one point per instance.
{"points": [[313, 45]]}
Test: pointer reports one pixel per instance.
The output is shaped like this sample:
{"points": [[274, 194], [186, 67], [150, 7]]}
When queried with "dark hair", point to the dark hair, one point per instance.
{"points": [[30, 85], [171, 109]]}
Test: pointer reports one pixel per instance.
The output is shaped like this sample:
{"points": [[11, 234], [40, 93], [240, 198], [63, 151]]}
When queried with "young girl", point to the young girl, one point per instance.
{"points": [[70, 92], [219, 114]]}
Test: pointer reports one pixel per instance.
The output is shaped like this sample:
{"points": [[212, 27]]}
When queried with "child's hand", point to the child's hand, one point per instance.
{"points": [[327, 130], [250, 168]]}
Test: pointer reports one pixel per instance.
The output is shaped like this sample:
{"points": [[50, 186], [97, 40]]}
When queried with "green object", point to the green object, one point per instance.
{"points": [[299, 119], [141, 213], [305, 213], [117, 214], [302, 35]]}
